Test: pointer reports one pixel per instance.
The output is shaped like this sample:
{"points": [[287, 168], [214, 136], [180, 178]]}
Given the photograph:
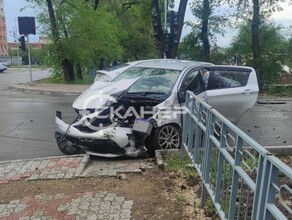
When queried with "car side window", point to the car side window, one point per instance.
{"points": [[193, 82], [190, 82], [232, 78]]}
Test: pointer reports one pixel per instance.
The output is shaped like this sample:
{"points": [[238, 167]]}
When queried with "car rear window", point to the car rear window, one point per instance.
{"points": [[235, 78], [115, 67]]}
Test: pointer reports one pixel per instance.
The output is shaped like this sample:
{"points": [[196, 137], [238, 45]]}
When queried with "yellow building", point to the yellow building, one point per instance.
{"points": [[3, 33]]}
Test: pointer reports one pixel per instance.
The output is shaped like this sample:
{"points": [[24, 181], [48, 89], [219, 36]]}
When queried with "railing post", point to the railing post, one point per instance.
{"points": [[185, 133], [197, 139], [235, 176], [191, 129], [185, 120], [262, 185], [220, 163], [207, 157], [271, 191]]}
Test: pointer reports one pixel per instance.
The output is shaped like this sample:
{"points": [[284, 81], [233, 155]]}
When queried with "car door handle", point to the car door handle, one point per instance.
{"points": [[246, 92]]}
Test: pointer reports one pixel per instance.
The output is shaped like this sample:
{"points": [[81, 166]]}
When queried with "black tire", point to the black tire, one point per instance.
{"points": [[165, 137], [67, 147]]}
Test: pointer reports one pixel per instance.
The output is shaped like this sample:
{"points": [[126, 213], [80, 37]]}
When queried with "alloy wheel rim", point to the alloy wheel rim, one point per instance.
{"points": [[169, 138]]}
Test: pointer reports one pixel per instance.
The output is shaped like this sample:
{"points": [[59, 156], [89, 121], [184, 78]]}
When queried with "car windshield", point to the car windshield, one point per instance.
{"points": [[151, 80]]}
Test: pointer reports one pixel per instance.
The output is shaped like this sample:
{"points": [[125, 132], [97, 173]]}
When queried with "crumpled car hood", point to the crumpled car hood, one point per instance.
{"points": [[102, 93]]}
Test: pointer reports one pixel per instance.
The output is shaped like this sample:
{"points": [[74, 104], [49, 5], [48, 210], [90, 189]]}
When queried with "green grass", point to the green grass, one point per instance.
{"points": [[26, 67], [210, 209], [180, 197], [280, 91], [178, 164]]}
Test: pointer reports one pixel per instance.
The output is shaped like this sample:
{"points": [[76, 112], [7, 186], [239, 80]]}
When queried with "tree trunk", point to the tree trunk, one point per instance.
{"points": [[79, 72], [66, 64], [255, 28], [68, 70], [204, 33]]}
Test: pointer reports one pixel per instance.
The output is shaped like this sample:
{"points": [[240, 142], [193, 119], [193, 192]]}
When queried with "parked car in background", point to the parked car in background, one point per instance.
{"points": [[142, 107], [2, 68], [5, 63]]}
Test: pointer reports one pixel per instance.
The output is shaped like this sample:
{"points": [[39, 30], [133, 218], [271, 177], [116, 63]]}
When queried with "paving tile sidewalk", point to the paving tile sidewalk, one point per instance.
{"points": [[85, 205], [43, 168], [89, 205]]}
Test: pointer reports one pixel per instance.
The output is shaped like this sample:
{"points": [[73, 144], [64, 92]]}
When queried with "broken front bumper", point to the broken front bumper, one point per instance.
{"points": [[107, 142]]}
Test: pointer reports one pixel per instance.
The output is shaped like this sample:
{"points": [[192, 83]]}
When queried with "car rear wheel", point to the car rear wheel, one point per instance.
{"points": [[166, 137]]}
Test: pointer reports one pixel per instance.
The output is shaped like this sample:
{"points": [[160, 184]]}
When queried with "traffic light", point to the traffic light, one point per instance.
{"points": [[22, 43], [156, 20], [167, 44], [174, 31]]}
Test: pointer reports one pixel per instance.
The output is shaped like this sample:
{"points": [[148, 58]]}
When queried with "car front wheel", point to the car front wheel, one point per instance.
{"points": [[167, 137]]}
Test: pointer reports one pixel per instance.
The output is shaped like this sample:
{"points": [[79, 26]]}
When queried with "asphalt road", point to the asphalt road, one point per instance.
{"points": [[27, 121], [269, 124], [14, 76]]}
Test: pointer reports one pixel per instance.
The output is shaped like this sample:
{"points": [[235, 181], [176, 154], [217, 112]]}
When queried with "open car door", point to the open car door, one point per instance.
{"points": [[236, 91]]}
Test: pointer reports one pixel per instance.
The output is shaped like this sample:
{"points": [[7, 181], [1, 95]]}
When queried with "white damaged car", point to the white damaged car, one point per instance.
{"points": [[142, 108]]}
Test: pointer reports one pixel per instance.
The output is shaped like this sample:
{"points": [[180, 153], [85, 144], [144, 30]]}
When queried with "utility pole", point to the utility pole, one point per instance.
{"points": [[165, 21], [29, 61]]}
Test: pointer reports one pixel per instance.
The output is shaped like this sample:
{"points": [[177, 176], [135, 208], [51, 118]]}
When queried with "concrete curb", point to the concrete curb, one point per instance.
{"points": [[274, 99], [159, 157], [84, 162], [277, 150], [43, 158], [280, 150], [271, 102], [40, 91]]}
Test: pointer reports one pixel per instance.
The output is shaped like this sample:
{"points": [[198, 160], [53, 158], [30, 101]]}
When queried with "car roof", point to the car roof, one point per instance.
{"points": [[170, 64], [232, 67]]}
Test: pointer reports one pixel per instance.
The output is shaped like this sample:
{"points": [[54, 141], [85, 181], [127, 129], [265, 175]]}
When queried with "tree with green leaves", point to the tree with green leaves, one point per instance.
{"points": [[190, 47], [257, 11], [274, 49], [207, 24], [137, 41], [83, 31]]}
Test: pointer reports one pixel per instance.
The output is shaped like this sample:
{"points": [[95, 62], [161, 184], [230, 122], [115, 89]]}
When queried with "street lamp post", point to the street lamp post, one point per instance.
{"points": [[15, 38]]}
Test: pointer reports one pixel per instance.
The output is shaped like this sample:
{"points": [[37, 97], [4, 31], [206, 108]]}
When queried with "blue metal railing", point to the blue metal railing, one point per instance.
{"points": [[242, 178]]}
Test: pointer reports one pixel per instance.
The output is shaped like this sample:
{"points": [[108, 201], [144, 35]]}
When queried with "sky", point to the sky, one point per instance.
{"points": [[13, 10]]}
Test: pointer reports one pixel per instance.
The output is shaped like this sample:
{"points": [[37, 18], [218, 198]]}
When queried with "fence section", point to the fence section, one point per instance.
{"points": [[242, 178]]}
